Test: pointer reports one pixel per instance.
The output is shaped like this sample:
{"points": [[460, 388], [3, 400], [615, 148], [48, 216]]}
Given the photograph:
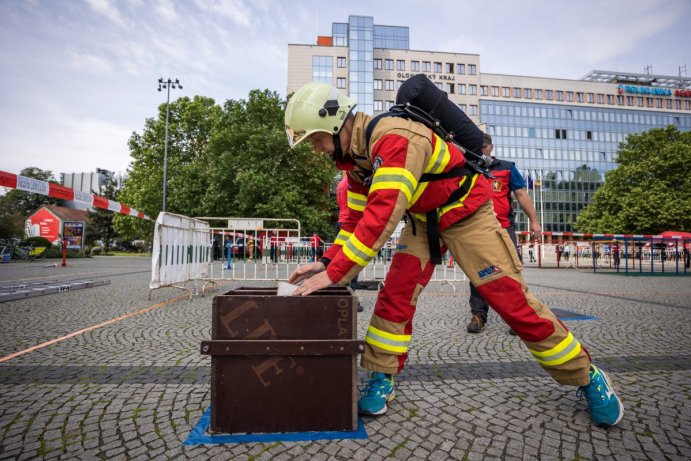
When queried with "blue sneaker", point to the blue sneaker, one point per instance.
{"points": [[605, 407], [376, 394]]}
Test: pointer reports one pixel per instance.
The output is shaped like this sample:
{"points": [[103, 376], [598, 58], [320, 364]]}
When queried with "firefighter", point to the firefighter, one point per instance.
{"points": [[384, 178]]}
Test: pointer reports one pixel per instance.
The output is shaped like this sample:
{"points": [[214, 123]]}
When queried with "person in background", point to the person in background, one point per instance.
{"points": [[507, 182]]}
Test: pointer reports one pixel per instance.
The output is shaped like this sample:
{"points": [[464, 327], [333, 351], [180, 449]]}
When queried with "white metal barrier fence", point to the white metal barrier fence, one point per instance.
{"points": [[181, 253]]}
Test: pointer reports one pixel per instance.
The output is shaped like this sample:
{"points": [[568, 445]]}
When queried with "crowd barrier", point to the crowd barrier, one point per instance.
{"points": [[181, 253]]}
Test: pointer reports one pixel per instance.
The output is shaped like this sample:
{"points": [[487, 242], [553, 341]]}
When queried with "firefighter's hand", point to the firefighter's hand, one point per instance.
{"points": [[306, 271], [314, 283]]}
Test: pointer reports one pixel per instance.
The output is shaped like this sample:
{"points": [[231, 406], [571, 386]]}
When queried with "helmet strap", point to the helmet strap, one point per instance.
{"points": [[338, 152]]}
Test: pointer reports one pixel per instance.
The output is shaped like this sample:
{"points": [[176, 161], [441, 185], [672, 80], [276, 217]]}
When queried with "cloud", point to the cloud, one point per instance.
{"points": [[167, 11], [89, 63], [107, 9], [235, 10]]}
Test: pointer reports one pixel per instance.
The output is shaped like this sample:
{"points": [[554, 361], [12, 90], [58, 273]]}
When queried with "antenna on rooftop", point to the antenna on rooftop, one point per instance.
{"points": [[648, 70], [682, 69]]}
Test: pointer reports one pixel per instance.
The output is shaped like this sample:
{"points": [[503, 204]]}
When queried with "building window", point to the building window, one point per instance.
{"points": [[341, 63], [591, 98], [472, 89], [538, 94], [531, 132], [600, 98], [438, 85], [649, 102], [579, 97], [677, 104], [388, 64], [687, 104], [449, 88], [569, 96], [388, 85], [415, 66], [400, 64], [505, 91], [426, 66], [378, 104], [460, 68], [495, 91], [463, 107], [398, 84], [629, 100], [473, 109], [610, 99], [449, 68], [548, 95], [668, 103], [589, 135], [483, 90], [460, 88], [659, 103], [389, 105], [322, 69], [340, 82], [516, 92], [527, 93], [560, 95], [620, 100], [377, 64], [560, 134], [472, 69], [437, 67], [378, 84], [639, 100]]}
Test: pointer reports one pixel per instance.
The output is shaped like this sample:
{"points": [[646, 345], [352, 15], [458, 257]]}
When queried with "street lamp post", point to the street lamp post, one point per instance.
{"points": [[166, 84]]}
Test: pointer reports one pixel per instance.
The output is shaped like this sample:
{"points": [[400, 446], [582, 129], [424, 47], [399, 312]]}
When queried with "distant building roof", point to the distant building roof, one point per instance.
{"points": [[68, 214], [665, 81]]}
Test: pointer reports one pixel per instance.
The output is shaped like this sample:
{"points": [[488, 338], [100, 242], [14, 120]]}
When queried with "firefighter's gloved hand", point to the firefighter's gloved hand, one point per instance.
{"points": [[306, 271], [314, 283]]}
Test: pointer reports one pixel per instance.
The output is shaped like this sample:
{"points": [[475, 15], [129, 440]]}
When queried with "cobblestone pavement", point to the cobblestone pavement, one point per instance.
{"points": [[134, 389]]}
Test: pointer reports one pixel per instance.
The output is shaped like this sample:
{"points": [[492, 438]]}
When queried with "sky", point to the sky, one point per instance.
{"points": [[78, 77]]}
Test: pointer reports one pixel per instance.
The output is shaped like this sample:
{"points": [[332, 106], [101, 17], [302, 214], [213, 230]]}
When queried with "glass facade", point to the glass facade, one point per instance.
{"points": [[322, 69], [361, 58], [563, 151], [339, 33], [392, 37]]}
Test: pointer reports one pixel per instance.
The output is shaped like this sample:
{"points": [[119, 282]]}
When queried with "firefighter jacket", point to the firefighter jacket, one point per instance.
{"points": [[383, 182]]}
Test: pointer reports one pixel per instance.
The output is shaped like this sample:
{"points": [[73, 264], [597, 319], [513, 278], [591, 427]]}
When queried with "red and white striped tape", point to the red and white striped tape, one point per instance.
{"points": [[19, 182], [616, 236]]}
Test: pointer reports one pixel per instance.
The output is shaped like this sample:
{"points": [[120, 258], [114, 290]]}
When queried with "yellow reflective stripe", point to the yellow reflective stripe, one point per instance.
{"points": [[567, 349], [571, 353], [459, 202], [387, 335], [386, 347], [358, 252], [556, 349], [387, 178], [440, 157], [418, 192], [342, 237], [420, 217], [356, 201], [387, 341]]}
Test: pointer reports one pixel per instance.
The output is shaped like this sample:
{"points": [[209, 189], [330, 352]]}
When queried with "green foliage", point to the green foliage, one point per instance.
{"points": [[226, 161], [101, 221], [650, 191], [17, 205]]}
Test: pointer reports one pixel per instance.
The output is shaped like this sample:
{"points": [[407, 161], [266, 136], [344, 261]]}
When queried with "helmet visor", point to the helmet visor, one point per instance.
{"points": [[294, 137]]}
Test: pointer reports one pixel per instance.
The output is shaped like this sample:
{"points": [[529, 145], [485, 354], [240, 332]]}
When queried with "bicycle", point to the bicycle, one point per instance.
{"points": [[25, 252]]}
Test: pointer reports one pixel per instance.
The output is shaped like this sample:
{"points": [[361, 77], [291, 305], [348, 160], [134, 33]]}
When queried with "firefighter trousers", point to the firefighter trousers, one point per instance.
{"points": [[487, 256]]}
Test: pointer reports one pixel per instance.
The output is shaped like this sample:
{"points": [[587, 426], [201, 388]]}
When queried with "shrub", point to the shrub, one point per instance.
{"points": [[38, 242]]}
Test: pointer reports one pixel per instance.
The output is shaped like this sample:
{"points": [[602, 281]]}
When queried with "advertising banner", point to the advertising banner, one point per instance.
{"points": [[73, 232]]}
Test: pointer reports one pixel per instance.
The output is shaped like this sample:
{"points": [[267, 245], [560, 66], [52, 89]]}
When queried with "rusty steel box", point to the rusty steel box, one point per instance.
{"points": [[283, 363]]}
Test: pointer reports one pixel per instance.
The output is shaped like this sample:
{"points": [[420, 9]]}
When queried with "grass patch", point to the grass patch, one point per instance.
{"points": [[398, 447]]}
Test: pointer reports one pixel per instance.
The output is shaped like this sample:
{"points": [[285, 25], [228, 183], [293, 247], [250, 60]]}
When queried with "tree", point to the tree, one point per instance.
{"points": [[17, 205], [101, 221], [650, 190], [226, 161]]}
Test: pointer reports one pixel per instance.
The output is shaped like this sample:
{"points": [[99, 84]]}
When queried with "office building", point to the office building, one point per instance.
{"points": [[562, 134]]}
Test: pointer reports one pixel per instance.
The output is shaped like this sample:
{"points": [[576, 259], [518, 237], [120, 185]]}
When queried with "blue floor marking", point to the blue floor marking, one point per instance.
{"points": [[199, 435]]}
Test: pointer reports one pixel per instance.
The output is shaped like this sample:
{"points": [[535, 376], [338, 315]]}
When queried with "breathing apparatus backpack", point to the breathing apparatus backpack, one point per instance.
{"points": [[420, 100]]}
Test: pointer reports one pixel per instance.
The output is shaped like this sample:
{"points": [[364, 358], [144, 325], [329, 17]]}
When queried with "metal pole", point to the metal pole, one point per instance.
{"points": [[165, 150]]}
